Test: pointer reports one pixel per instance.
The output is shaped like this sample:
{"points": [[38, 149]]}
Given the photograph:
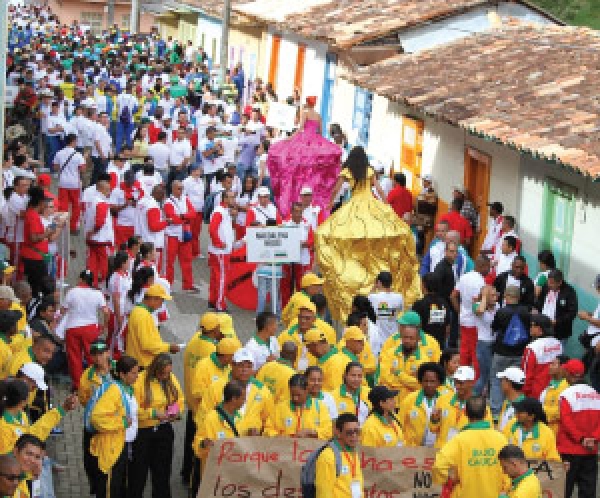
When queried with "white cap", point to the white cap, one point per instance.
{"points": [[427, 178], [261, 191], [242, 355], [459, 188], [306, 191], [514, 374], [595, 340], [35, 372], [464, 373]]}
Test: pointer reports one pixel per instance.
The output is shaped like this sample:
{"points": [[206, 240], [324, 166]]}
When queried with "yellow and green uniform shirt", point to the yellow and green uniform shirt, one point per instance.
{"points": [[288, 419], [276, 375], [154, 402], [90, 381], [549, 399], [415, 410], [537, 444], [330, 485], [379, 433], [208, 370], [290, 312], [525, 486], [143, 338], [214, 427], [199, 347], [303, 357], [399, 372], [6, 355], [12, 427], [348, 402], [428, 346], [366, 358]]}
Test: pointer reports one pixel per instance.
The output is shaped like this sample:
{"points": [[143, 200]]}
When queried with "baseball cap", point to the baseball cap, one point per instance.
{"points": [[35, 372], [459, 188], [226, 323], [98, 347], [311, 279], [242, 355], [7, 292], [6, 268], [464, 373], [381, 393], [574, 367], [314, 335], [497, 206], [427, 178], [307, 305], [263, 191], [209, 321], [514, 374], [228, 345], [306, 191], [410, 318], [353, 333], [157, 290]]}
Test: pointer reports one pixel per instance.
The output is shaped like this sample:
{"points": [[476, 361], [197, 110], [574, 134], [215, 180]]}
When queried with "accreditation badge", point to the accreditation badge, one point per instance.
{"points": [[356, 489]]}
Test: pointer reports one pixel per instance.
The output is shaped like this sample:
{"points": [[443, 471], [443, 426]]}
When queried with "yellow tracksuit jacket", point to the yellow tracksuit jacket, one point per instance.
{"points": [[6, 355], [292, 334], [345, 401], [147, 411], [327, 484], [109, 418], [276, 375], [398, 372], [323, 326], [143, 338], [453, 418], [287, 419], [366, 358], [290, 312], [89, 381], [526, 486], [539, 444], [378, 433], [208, 370], [19, 359], [549, 399], [197, 349], [428, 346], [22, 323], [413, 417], [474, 455], [447, 387], [20, 342], [12, 427], [213, 427]]}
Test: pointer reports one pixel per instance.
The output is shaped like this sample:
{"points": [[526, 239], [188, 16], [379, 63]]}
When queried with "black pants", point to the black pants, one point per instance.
{"points": [[111, 484], [35, 271], [152, 451], [188, 453], [583, 471], [99, 166], [195, 477], [90, 463]]}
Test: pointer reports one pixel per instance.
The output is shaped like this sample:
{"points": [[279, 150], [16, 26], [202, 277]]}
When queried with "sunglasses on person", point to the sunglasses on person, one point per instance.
{"points": [[351, 432]]}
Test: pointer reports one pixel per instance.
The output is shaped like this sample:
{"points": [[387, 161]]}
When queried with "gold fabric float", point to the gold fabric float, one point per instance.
{"points": [[359, 240]]}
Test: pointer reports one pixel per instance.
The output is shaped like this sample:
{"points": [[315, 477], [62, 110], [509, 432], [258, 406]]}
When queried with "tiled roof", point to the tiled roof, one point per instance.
{"points": [[532, 88], [345, 23]]}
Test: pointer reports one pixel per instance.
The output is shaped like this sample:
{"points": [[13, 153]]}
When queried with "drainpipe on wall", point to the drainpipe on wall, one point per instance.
{"points": [[224, 40]]}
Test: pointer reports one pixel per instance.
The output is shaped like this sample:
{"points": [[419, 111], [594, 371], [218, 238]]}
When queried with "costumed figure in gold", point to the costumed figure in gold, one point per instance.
{"points": [[362, 238]]}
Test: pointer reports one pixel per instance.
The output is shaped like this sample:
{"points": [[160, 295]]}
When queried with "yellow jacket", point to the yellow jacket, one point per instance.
{"points": [[549, 399], [399, 372], [23, 488], [143, 338], [526, 486], [377, 432], [276, 375], [474, 455], [213, 427], [428, 346], [290, 312], [20, 342], [88, 383], [366, 358], [345, 401], [12, 427], [447, 387], [303, 357], [254, 414], [323, 326], [453, 418], [539, 444], [199, 347], [208, 370], [109, 418], [22, 323], [414, 418], [287, 420], [327, 483], [507, 415], [147, 411], [6, 355], [19, 359]]}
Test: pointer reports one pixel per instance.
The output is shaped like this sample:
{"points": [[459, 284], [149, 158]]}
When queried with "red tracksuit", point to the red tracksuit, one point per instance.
{"points": [[222, 236], [536, 364], [176, 247], [579, 407]]}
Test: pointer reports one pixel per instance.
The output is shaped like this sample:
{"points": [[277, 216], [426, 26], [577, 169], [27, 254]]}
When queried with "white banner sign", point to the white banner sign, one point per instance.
{"points": [[273, 244], [281, 116]]}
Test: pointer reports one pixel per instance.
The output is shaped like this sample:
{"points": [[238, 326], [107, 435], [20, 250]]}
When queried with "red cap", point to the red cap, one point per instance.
{"points": [[574, 367], [44, 180]]}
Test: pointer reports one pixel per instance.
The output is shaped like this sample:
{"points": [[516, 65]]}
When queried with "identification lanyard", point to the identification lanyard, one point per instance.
{"points": [[299, 414], [351, 464]]}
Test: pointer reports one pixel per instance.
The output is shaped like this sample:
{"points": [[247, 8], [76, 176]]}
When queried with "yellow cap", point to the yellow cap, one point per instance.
{"points": [[354, 334], [209, 321], [314, 335], [228, 345], [157, 290], [307, 304], [310, 279], [226, 323]]}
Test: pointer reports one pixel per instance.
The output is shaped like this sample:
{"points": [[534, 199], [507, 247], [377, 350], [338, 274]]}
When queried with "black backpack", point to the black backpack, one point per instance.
{"points": [[308, 473]]}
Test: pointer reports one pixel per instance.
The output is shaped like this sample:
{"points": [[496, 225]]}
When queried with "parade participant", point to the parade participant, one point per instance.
{"points": [[118, 285], [29, 451], [449, 417], [160, 403], [143, 341], [524, 482], [328, 482], [449, 361], [222, 238], [416, 409], [276, 374], [294, 272], [516, 276], [10, 474], [312, 213], [123, 204], [453, 465], [264, 210], [433, 310], [245, 198], [493, 230], [579, 431], [387, 305], [485, 311], [530, 432], [352, 395], [194, 188], [15, 217], [8, 329], [300, 416], [331, 366], [99, 232], [435, 252], [382, 428], [310, 284], [551, 394], [264, 346], [102, 146], [111, 417], [150, 223], [351, 348], [546, 263], [70, 164]]}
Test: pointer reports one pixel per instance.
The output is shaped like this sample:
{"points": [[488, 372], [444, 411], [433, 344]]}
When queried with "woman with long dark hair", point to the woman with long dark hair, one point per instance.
{"points": [[382, 428], [361, 239]]}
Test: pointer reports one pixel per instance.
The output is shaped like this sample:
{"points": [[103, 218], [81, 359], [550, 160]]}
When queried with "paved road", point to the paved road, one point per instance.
{"points": [[185, 311]]}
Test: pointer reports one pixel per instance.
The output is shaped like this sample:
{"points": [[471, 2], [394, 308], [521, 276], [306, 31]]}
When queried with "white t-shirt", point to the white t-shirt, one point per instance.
{"points": [[592, 329], [504, 262], [484, 325], [549, 308], [387, 305], [125, 217], [194, 189], [262, 351], [69, 163], [469, 286], [180, 150], [104, 139], [160, 153], [83, 304], [148, 182]]}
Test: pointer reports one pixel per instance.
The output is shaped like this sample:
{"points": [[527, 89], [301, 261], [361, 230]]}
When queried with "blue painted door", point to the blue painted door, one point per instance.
{"points": [[361, 119], [328, 84]]}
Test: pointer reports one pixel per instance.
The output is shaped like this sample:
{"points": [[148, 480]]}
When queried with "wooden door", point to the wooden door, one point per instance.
{"points": [[274, 62], [411, 154], [299, 76], [477, 184]]}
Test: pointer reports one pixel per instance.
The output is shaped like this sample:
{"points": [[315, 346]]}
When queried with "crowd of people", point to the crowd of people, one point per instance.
{"points": [[145, 147]]}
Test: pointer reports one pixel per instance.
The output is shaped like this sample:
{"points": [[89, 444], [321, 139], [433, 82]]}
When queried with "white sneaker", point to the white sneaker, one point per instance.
{"points": [[201, 256]]}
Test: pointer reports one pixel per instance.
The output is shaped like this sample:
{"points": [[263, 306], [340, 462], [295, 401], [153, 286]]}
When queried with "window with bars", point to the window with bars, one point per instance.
{"points": [[95, 20], [126, 22]]}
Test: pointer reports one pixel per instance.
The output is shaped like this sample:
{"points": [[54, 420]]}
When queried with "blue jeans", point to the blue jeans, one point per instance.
{"points": [[484, 358], [99, 166], [499, 364], [243, 170], [123, 134], [264, 288]]}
